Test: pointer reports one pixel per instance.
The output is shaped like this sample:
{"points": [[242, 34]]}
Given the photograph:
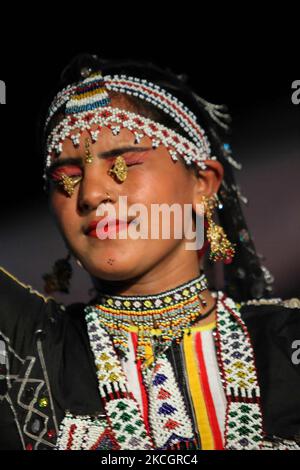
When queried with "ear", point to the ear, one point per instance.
{"points": [[208, 181]]}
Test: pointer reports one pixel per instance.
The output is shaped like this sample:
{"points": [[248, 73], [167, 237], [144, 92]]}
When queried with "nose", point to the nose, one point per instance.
{"points": [[95, 188]]}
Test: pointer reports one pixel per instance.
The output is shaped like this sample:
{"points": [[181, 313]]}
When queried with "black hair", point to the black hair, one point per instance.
{"points": [[245, 277]]}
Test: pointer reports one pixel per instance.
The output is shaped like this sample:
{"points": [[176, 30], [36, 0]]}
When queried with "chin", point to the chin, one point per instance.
{"points": [[113, 267]]}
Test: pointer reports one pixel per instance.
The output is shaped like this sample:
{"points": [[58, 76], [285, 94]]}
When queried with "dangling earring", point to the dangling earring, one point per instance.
{"points": [[59, 279], [221, 248], [120, 169]]}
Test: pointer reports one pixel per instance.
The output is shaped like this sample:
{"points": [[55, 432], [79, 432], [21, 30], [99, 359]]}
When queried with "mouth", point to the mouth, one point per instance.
{"points": [[103, 228]]}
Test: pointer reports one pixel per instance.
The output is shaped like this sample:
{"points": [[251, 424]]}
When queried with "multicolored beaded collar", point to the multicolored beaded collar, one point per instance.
{"points": [[164, 315]]}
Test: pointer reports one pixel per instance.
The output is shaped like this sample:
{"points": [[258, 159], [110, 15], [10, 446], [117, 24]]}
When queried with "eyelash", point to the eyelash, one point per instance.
{"points": [[56, 174], [131, 163]]}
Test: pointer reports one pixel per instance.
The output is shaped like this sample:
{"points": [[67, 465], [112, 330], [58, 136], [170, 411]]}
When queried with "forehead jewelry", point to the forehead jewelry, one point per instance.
{"points": [[92, 93], [154, 94], [88, 153], [87, 108], [120, 169], [69, 183], [115, 120]]}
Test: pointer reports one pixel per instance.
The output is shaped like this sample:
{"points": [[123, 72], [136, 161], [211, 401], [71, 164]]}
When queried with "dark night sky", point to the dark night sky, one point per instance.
{"points": [[266, 139]]}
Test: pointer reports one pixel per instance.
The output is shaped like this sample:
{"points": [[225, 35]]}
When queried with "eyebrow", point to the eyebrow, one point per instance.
{"points": [[119, 151], [105, 155]]}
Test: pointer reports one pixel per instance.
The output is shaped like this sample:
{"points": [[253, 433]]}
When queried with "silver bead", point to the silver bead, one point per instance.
{"points": [[85, 72]]}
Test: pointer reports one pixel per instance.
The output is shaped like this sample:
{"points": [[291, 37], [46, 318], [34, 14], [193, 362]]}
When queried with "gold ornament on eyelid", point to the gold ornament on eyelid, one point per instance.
{"points": [[120, 169], [88, 153], [69, 183]]}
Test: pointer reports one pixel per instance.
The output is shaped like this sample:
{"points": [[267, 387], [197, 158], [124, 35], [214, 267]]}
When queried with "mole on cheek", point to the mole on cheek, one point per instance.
{"points": [[110, 261]]}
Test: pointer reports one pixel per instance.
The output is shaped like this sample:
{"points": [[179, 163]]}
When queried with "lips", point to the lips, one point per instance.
{"points": [[105, 227]]}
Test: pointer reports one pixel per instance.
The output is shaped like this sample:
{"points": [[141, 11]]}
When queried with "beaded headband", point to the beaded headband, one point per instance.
{"points": [[87, 108]]}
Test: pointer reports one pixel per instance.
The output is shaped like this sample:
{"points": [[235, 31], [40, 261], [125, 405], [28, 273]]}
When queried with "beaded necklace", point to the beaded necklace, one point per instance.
{"points": [[163, 316], [123, 426]]}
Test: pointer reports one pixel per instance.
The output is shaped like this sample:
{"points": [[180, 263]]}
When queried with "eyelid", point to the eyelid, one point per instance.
{"points": [[70, 170], [58, 182], [135, 158], [73, 170]]}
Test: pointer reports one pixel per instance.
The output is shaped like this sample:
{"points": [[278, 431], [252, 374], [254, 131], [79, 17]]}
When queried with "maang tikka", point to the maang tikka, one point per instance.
{"points": [[221, 249], [88, 153]]}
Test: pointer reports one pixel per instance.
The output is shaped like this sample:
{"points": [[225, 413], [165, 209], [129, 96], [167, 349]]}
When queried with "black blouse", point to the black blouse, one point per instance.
{"points": [[47, 367]]}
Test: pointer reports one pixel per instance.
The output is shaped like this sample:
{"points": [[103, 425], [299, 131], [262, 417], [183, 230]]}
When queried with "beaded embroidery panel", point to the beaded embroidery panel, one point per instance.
{"points": [[168, 418]]}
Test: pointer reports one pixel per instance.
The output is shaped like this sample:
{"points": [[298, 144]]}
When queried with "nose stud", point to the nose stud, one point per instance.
{"points": [[120, 169]]}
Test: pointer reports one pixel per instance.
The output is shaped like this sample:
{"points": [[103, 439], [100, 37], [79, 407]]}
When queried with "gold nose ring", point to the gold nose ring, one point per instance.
{"points": [[120, 169]]}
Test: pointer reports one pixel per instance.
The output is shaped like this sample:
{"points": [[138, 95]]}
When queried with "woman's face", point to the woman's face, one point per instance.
{"points": [[153, 178]]}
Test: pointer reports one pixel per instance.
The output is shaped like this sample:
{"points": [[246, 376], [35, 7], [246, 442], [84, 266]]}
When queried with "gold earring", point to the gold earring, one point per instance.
{"points": [[220, 247], [120, 169], [88, 153], [69, 183]]}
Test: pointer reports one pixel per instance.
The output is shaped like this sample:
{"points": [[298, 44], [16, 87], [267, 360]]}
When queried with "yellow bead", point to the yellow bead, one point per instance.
{"points": [[43, 402], [108, 366], [113, 377], [104, 357]]}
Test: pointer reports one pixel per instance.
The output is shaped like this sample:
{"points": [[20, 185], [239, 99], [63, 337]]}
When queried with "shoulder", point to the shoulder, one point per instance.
{"points": [[13, 288], [273, 322], [22, 308], [274, 328], [271, 312], [289, 303]]}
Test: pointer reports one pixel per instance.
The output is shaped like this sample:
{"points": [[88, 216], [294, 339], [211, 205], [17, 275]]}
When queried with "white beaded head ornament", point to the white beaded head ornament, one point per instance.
{"points": [[87, 108]]}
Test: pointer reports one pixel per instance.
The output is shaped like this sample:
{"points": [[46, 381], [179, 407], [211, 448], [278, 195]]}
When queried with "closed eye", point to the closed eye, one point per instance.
{"points": [[71, 170], [131, 163], [134, 159]]}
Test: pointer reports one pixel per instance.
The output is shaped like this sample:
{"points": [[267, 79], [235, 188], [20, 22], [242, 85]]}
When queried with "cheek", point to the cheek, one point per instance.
{"points": [[64, 210], [167, 187]]}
